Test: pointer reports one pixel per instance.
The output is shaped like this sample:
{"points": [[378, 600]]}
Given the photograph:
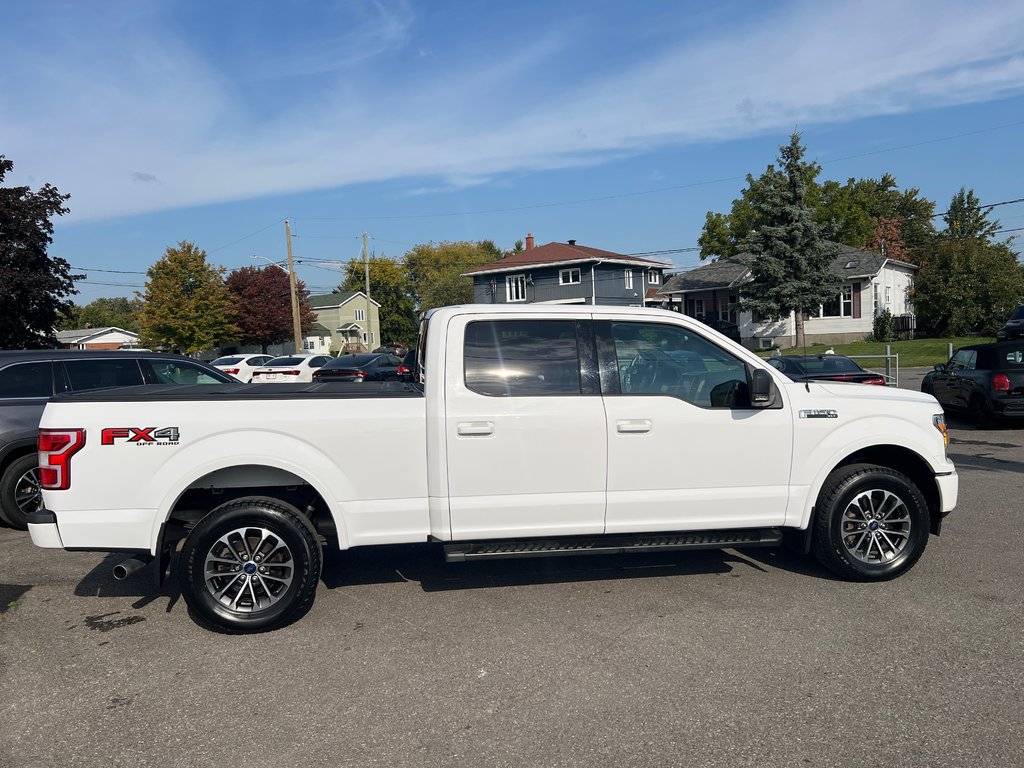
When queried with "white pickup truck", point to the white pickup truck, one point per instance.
{"points": [[534, 430]]}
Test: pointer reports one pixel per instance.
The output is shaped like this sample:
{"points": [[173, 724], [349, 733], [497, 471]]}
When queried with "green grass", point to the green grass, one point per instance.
{"points": [[913, 354]]}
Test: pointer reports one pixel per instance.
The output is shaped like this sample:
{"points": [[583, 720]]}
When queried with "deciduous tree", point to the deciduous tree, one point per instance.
{"points": [[390, 287], [35, 288], [965, 217], [790, 270], [263, 305], [118, 311], [186, 307], [435, 270]]}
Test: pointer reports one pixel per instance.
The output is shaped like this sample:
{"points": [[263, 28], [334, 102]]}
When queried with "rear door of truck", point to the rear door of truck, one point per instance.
{"points": [[525, 426]]}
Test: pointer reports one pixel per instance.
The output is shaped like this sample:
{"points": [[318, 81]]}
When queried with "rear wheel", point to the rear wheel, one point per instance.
{"points": [[981, 414], [871, 523], [250, 566], [19, 491]]}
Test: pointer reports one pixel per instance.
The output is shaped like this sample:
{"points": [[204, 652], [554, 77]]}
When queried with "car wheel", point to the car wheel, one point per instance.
{"points": [[871, 523], [251, 565], [19, 491], [981, 414]]}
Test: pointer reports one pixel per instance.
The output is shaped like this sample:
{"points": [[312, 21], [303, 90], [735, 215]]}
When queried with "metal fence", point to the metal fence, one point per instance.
{"points": [[892, 365]]}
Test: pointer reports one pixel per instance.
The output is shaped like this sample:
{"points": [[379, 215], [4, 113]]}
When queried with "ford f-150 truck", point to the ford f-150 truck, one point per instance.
{"points": [[534, 430]]}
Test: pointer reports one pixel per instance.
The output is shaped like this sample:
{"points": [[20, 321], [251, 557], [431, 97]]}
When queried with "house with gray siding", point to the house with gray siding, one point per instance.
{"points": [[567, 273], [869, 283]]}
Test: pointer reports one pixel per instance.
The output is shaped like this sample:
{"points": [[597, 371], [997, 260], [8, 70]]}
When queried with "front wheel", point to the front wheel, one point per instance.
{"points": [[871, 523], [251, 565], [981, 414]]}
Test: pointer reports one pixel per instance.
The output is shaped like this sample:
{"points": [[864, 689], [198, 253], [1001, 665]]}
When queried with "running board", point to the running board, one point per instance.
{"points": [[463, 551]]}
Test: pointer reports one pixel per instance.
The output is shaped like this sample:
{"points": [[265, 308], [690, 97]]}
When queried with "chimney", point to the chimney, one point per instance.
{"points": [[572, 242], [529, 241]]}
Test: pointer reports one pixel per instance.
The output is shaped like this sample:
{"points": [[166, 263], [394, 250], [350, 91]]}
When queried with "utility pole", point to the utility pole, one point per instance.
{"points": [[366, 272], [296, 323]]}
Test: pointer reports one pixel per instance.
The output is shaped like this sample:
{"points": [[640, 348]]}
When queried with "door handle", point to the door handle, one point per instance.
{"points": [[633, 426], [475, 428]]}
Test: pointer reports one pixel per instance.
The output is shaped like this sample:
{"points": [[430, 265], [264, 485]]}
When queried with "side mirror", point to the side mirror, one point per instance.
{"points": [[761, 388], [940, 367]]}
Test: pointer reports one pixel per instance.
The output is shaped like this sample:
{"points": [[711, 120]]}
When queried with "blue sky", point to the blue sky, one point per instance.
{"points": [[418, 121]]}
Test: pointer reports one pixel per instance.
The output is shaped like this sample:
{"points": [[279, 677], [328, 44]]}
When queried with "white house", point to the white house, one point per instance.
{"points": [[97, 338], [870, 284]]}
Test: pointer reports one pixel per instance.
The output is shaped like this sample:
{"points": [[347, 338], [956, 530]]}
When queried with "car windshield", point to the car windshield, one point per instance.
{"points": [[227, 361], [284, 362], [828, 364], [1018, 313], [351, 361]]}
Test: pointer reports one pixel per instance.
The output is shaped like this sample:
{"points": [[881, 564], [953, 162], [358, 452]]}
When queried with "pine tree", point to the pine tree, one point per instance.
{"points": [[790, 271], [187, 306]]}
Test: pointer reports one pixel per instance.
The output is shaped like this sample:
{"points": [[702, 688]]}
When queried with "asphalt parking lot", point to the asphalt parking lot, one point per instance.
{"points": [[752, 658]]}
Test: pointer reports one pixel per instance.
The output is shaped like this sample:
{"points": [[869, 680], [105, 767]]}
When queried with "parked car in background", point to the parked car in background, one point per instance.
{"points": [[409, 370], [824, 368], [985, 381], [289, 369], [391, 349], [28, 378], [359, 368], [1014, 328], [241, 366]]}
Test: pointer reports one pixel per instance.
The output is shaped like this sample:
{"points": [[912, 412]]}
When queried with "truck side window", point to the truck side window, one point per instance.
{"points": [[26, 380], [661, 359], [508, 358]]}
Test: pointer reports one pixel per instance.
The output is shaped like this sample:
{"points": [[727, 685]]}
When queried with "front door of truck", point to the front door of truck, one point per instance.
{"points": [[685, 449], [524, 427]]}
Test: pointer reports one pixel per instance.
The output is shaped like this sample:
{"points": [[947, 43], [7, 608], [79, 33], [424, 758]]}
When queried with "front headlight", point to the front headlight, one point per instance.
{"points": [[939, 422]]}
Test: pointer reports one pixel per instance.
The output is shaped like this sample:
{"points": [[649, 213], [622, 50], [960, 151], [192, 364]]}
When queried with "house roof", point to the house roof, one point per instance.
{"points": [[849, 263], [552, 254], [318, 330], [78, 335], [351, 327], [336, 299]]}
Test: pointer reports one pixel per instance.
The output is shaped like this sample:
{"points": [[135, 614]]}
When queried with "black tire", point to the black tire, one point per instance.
{"points": [[240, 534], [19, 491], [864, 507], [981, 414]]}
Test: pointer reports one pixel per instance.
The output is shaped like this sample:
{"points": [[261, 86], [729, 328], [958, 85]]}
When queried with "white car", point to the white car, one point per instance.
{"points": [[241, 366], [289, 369]]}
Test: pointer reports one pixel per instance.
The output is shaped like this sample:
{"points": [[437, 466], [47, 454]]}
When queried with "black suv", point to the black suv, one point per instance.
{"points": [[29, 378], [1014, 328]]}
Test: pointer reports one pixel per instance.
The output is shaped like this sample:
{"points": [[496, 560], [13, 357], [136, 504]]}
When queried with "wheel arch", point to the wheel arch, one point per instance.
{"points": [[903, 460]]}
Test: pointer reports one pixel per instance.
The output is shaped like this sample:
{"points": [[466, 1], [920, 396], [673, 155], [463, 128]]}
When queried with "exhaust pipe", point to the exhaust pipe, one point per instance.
{"points": [[125, 569]]}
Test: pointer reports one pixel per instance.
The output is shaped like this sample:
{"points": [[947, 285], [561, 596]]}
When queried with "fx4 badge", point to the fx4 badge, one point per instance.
{"points": [[819, 413], [140, 435]]}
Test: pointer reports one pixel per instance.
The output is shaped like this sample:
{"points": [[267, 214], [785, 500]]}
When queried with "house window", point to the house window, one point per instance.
{"points": [[569, 276], [307, 344], [629, 279], [515, 288], [653, 278], [841, 305], [360, 315], [698, 308]]}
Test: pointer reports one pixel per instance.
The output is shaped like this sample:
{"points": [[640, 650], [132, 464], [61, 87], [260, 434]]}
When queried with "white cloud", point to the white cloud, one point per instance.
{"points": [[90, 114]]}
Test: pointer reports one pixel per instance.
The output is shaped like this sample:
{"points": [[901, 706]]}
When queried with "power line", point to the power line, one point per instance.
{"points": [[111, 271], [114, 285], [245, 237]]}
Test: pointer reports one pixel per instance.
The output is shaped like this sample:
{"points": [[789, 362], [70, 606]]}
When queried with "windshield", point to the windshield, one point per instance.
{"points": [[351, 361], [1018, 313], [227, 361], [284, 362]]}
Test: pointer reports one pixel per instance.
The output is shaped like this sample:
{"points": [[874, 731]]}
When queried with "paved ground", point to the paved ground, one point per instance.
{"points": [[753, 658]]}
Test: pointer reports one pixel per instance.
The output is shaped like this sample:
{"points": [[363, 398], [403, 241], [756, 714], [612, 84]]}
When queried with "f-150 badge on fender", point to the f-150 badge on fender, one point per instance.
{"points": [[140, 435], [819, 413]]}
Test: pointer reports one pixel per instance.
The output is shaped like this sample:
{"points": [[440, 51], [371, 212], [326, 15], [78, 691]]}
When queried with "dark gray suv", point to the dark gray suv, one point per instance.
{"points": [[1014, 328], [29, 378]]}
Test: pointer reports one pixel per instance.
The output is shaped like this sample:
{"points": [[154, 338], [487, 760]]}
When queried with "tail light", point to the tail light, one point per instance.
{"points": [[361, 374], [403, 370], [880, 380], [232, 371], [1001, 382], [56, 447], [291, 373]]}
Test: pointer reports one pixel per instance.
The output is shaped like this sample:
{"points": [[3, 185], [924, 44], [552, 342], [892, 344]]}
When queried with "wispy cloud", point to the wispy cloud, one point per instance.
{"points": [[135, 95]]}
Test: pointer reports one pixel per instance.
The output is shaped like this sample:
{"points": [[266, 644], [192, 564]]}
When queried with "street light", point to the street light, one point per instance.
{"points": [[293, 289]]}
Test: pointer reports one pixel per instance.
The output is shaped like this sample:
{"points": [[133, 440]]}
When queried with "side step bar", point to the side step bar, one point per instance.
{"points": [[464, 551]]}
